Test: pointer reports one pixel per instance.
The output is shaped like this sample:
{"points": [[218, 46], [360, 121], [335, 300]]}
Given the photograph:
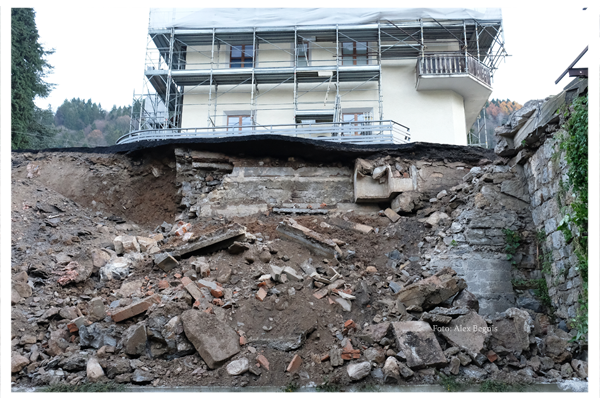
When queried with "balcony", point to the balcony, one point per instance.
{"points": [[461, 73], [371, 132]]}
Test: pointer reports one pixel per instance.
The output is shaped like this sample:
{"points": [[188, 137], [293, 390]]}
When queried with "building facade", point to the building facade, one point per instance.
{"points": [[356, 75]]}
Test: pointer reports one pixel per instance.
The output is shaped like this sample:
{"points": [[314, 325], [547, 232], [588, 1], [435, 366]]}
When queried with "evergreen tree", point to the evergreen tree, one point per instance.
{"points": [[28, 70]]}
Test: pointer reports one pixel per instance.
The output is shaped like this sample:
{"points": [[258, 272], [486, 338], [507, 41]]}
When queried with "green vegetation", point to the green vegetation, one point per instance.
{"points": [[453, 243], [513, 240], [28, 71], [86, 387], [574, 224], [327, 386], [544, 255], [451, 383], [368, 387], [497, 386], [291, 387]]}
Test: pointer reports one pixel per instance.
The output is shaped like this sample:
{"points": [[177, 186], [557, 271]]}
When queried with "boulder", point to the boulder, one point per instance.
{"points": [[99, 258], [134, 340], [140, 376], [391, 370], [238, 367], [557, 348], [511, 331], [433, 290], [215, 341], [418, 343], [96, 337], [75, 362], [115, 269], [126, 244], [96, 310], [17, 362], [467, 332], [93, 370], [131, 288], [359, 371], [466, 299]]}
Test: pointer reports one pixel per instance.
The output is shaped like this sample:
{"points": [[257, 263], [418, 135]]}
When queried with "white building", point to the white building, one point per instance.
{"points": [[359, 75]]}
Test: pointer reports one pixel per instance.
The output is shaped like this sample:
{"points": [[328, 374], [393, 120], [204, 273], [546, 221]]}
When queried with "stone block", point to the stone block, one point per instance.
{"points": [[418, 343], [214, 340], [391, 214]]}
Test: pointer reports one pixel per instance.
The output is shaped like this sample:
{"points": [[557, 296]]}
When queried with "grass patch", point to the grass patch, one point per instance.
{"points": [[291, 387], [327, 386], [451, 384], [368, 387], [86, 387], [497, 386]]}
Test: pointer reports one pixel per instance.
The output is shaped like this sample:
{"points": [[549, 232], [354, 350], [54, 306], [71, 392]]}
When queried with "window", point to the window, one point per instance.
{"points": [[242, 56], [359, 119], [354, 53], [238, 122], [303, 54]]}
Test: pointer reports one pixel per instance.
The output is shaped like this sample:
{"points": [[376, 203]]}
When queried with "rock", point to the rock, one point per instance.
{"points": [[238, 367], [580, 367], [359, 371], [363, 295], [374, 333], [265, 256], [99, 258], [466, 299], [134, 340], [115, 269], [474, 372], [391, 214], [467, 332], [93, 370], [220, 237], [375, 355], [141, 376], [146, 243], [75, 272], [391, 370], [73, 363], [215, 341], [417, 341], [511, 331], [17, 362], [436, 319], [433, 290], [94, 336], [238, 248], [364, 167], [505, 147], [379, 172], [131, 288], [452, 312], [126, 244], [224, 274], [292, 274], [165, 261], [405, 202], [96, 310], [566, 371], [15, 298], [118, 367], [58, 342], [69, 313], [454, 366], [556, 348], [345, 304], [516, 188], [436, 217]]}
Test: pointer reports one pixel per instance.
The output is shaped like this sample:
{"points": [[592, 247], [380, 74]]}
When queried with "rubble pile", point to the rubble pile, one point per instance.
{"points": [[266, 300]]}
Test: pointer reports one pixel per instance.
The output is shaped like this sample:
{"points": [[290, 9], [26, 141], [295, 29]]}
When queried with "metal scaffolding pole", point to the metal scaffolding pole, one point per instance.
{"points": [[337, 66], [212, 57], [252, 82], [170, 68], [380, 105], [295, 77]]}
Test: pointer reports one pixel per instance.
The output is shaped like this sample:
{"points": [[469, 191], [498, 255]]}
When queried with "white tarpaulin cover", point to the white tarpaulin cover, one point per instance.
{"points": [[191, 18]]}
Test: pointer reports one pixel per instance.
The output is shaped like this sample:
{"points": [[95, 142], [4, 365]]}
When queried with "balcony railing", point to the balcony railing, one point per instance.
{"points": [[453, 64], [371, 132]]}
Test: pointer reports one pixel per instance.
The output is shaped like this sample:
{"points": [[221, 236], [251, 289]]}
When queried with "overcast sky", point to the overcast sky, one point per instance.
{"points": [[99, 52]]}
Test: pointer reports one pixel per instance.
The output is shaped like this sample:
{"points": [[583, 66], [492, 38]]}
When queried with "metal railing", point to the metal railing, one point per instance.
{"points": [[371, 132], [453, 64]]}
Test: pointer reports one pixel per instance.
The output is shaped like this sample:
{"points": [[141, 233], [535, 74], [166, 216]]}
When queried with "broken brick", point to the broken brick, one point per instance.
{"points": [[350, 324], [491, 356], [242, 340], [262, 360], [321, 293], [192, 289], [217, 292], [325, 357], [135, 308], [262, 293], [163, 284], [218, 302], [294, 365]]}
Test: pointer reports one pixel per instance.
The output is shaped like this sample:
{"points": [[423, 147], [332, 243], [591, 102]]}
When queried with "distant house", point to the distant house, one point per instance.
{"points": [[354, 75]]}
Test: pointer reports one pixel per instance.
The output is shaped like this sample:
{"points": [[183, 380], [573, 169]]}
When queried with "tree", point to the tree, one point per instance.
{"points": [[28, 70]]}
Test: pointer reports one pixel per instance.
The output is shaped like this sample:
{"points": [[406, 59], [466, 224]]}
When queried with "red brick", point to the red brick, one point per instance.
{"points": [[294, 365], [216, 292], [178, 276], [349, 324], [262, 360], [163, 284], [492, 356], [321, 293], [262, 293], [346, 356], [136, 308], [218, 302], [72, 327], [242, 341]]}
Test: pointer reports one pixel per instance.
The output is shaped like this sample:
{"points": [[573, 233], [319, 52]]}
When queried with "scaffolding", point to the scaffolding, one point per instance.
{"points": [[333, 69]]}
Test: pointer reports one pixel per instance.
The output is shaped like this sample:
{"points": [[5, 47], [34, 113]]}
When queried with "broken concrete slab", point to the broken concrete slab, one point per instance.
{"points": [[221, 237], [341, 223], [418, 343], [134, 309], [433, 290], [467, 332], [215, 341], [314, 241], [165, 261]]}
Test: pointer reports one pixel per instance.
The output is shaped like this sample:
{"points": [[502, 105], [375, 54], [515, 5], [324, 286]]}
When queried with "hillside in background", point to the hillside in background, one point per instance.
{"points": [[496, 113]]}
